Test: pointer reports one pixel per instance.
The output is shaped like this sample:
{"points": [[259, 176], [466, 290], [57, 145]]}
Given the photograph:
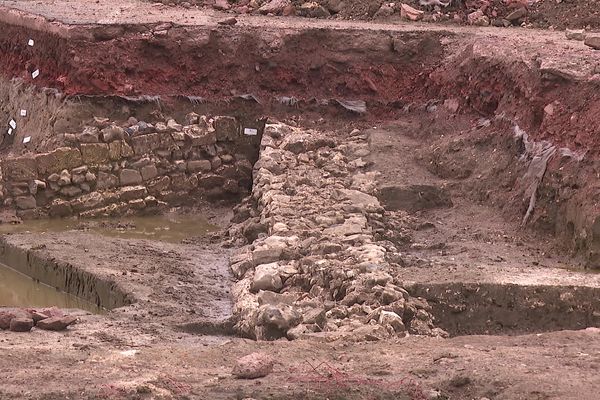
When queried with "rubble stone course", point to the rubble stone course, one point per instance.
{"points": [[108, 170], [315, 261]]}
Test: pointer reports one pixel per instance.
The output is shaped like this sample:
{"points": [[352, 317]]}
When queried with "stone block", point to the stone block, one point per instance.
{"points": [[226, 129], [58, 160], [95, 153], [25, 202], [210, 181], [20, 169], [88, 202], [106, 180], [145, 144], [60, 208], [159, 185], [149, 172], [130, 177], [132, 192], [199, 165]]}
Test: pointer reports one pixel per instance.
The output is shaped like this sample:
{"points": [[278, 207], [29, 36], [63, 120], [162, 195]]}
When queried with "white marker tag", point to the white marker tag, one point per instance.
{"points": [[30, 42], [13, 124], [27, 139], [35, 73], [23, 113], [10, 131], [250, 131]]}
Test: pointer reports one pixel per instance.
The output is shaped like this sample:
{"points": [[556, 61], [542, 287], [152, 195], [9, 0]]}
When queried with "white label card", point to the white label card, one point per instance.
{"points": [[250, 131], [35, 73], [23, 113], [27, 139], [30, 42], [13, 124]]}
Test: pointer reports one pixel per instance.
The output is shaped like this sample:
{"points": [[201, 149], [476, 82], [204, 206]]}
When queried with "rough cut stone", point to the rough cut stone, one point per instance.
{"points": [[20, 169], [592, 41], [106, 181], [274, 7], [70, 191], [58, 160], [252, 366], [575, 34], [88, 202], [517, 14], [25, 202], [226, 128], [112, 133], [21, 324], [149, 172], [60, 208], [56, 323], [95, 153], [132, 192], [392, 319], [410, 13], [266, 277], [130, 177], [90, 134], [64, 178], [145, 144], [159, 185], [199, 165]]}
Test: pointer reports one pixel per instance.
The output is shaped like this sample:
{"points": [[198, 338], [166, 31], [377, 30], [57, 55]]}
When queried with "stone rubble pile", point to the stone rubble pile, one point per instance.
{"points": [[23, 320], [313, 265], [110, 170]]}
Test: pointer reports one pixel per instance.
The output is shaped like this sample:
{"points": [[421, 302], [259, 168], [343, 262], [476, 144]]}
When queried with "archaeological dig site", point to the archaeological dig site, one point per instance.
{"points": [[296, 199]]}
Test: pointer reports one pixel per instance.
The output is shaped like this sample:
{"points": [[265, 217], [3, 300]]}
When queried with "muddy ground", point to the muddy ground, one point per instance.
{"points": [[520, 305]]}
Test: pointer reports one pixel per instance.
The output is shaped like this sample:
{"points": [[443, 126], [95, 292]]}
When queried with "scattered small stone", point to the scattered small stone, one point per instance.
{"points": [[575, 34], [228, 21], [410, 13], [592, 41]]}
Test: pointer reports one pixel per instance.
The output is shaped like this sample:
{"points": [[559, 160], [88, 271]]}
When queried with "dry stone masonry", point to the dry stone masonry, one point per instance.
{"points": [[319, 260], [110, 170]]}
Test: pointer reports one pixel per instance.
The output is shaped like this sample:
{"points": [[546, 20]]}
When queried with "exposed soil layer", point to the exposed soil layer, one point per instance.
{"points": [[386, 65]]}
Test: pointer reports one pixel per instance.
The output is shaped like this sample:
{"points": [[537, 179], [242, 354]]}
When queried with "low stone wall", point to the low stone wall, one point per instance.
{"points": [[320, 257], [110, 170]]}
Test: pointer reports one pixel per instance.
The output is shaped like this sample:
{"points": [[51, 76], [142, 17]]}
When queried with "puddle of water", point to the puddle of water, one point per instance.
{"points": [[18, 290], [168, 227]]}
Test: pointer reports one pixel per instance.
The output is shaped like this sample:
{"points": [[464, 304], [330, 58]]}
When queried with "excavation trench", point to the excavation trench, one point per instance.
{"points": [[491, 309], [56, 283], [345, 77]]}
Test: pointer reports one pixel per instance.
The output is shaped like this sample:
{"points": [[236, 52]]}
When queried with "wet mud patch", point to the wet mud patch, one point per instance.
{"points": [[169, 227], [19, 290]]}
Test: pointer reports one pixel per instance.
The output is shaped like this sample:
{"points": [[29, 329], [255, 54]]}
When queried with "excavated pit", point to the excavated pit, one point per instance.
{"points": [[86, 290], [345, 77], [498, 309]]}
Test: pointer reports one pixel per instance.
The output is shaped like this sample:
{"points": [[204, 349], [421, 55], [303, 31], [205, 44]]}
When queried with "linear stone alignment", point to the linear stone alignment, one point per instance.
{"points": [[110, 170], [313, 266]]}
